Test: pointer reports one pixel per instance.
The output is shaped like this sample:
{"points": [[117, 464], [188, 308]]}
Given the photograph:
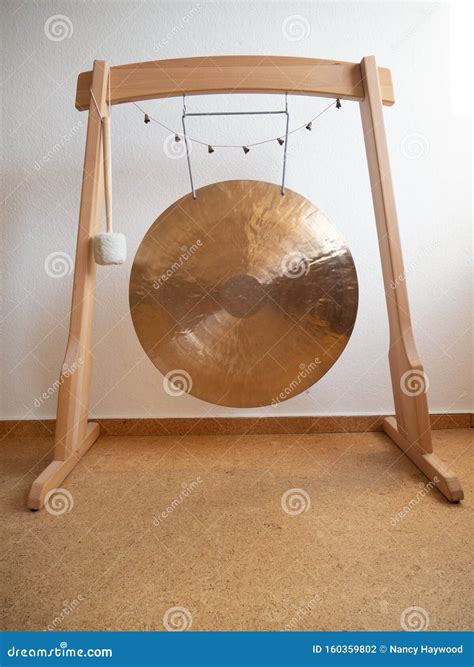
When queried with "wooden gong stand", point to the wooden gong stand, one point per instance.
{"points": [[365, 83]]}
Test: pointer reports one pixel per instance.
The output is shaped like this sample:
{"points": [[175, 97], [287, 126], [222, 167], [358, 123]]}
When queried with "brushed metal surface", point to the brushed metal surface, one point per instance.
{"points": [[243, 297]]}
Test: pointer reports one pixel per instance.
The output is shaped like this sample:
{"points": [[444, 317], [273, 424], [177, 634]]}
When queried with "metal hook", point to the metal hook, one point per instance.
{"points": [[188, 159], [245, 148]]}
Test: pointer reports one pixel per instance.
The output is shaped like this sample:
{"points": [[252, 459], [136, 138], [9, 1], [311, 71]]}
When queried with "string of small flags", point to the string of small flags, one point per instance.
{"points": [[178, 136]]}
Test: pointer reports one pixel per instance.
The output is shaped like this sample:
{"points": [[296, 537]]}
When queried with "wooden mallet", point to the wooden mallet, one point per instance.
{"points": [[109, 247]]}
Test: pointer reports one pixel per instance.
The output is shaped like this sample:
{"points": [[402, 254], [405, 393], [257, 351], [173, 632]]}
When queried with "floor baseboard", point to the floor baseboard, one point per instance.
{"points": [[231, 425]]}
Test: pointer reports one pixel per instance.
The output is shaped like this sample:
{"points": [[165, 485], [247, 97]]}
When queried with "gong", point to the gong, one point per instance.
{"points": [[243, 297]]}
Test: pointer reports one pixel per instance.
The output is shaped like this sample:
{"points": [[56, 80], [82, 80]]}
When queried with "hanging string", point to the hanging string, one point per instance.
{"points": [[108, 100], [106, 153], [208, 144], [109, 94], [95, 103]]}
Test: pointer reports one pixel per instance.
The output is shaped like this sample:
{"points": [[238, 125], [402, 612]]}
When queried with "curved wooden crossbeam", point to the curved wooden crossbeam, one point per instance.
{"points": [[235, 74], [363, 82]]}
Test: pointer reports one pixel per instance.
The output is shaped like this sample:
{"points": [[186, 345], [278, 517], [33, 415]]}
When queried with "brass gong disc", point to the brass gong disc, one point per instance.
{"points": [[243, 297]]}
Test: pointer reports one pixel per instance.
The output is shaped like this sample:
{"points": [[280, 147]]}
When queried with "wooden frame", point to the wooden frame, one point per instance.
{"points": [[235, 74], [366, 83]]}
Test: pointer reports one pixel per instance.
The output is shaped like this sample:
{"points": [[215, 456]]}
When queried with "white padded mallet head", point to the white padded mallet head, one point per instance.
{"points": [[110, 248]]}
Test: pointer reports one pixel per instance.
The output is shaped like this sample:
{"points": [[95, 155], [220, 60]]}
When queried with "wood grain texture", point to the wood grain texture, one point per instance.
{"points": [[73, 434], [235, 74], [230, 425], [430, 464], [411, 407], [73, 399], [411, 430], [57, 471]]}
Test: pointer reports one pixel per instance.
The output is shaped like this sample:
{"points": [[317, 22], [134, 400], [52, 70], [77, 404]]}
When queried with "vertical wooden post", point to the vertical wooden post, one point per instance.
{"points": [[74, 435], [411, 430]]}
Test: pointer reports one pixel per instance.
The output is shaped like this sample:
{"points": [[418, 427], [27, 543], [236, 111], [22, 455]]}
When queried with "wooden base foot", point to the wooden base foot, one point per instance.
{"points": [[57, 471], [430, 464]]}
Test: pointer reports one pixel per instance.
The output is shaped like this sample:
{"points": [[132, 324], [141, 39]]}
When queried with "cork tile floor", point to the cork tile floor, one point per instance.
{"points": [[320, 532]]}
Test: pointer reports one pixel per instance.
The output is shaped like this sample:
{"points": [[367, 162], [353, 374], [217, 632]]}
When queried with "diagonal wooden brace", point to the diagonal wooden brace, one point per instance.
{"points": [[411, 430], [366, 83], [74, 435]]}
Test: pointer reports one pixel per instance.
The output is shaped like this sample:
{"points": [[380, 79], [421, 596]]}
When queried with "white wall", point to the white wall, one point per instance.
{"points": [[430, 164]]}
